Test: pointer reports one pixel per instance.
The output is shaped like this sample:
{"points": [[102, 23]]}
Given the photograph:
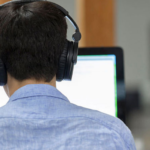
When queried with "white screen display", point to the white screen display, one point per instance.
{"points": [[3, 97], [93, 84]]}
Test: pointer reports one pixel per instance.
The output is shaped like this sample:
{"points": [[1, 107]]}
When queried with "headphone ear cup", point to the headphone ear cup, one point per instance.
{"points": [[66, 65], [62, 63], [3, 74], [69, 63]]}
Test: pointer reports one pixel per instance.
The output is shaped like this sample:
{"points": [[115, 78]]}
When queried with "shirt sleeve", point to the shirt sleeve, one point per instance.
{"points": [[123, 139]]}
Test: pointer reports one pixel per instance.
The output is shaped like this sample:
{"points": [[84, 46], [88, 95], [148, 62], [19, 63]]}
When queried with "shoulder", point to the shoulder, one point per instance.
{"points": [[118, 130]]}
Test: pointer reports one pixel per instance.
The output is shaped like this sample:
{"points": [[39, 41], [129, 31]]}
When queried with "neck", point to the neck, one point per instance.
{"points": [[13, 85]]}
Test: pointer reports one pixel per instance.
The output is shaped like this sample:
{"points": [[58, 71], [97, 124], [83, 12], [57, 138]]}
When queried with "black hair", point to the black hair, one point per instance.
{"points": [[32, 38]]}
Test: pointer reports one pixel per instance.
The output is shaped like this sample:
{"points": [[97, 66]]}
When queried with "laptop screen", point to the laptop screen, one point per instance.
{"points": [[94, 83]]}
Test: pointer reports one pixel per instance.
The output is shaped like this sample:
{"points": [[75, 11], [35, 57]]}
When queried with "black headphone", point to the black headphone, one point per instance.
{"points": [[68, 57]]}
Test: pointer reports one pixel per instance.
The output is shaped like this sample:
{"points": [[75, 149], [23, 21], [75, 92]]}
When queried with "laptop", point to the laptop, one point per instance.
{"points": [[98, 81]]}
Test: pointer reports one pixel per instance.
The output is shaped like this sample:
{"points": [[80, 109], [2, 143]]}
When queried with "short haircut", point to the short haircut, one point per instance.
{"points": [[32, 38]]}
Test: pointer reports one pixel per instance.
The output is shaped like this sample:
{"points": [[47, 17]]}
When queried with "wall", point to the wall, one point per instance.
{"points": [[133, 34]]}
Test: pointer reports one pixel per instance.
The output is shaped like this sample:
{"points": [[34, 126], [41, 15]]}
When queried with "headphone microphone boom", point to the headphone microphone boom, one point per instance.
{"points": [[69, 54]]}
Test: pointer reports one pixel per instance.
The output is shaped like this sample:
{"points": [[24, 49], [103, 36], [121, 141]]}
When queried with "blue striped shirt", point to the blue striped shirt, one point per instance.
{"points": [[39, 117]]}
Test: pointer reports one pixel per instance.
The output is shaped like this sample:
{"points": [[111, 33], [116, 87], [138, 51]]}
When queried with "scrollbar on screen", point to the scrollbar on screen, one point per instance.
{"points": [[94, 84]]}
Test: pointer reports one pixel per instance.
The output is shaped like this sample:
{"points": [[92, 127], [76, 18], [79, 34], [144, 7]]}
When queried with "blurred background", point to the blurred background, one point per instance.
{"points": [[124, 23]]}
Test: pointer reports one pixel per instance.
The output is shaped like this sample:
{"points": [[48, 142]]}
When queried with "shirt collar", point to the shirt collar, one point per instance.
{"points": [[32, 90]]}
